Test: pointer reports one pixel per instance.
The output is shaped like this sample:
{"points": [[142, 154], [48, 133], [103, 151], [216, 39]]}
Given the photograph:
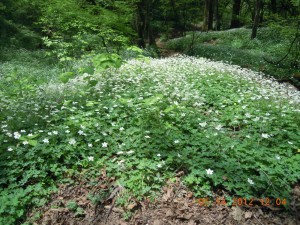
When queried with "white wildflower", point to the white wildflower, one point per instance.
{"points": [[91, 158], [46, 141], [203, 124], [219, 127], [72, 141], [104, 145], [209, 171], [17, 135], [265, 135], [130, 152], [250, 181]]}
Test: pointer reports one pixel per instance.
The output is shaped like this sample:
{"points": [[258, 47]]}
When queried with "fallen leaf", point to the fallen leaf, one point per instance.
{"points": [[248, 215], [169, 213], [237, 213], [131, 206]]}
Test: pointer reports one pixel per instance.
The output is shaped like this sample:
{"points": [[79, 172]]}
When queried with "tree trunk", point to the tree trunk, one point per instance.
{"points": [[141, 24], [256, 18], [205, 15], [217, 16], [210, 15], [235, 21], [273, 6]]}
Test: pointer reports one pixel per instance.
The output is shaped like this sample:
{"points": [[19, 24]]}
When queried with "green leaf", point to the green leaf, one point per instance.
{"points": [[65, 77], [32, 142]]}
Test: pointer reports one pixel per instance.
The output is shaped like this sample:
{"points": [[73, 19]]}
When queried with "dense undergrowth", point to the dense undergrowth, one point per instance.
{"points": [[235, 46], [224, 126]]}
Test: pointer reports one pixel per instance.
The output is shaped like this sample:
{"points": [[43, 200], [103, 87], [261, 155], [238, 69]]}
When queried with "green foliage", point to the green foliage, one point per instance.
{"points": [[235, 46], [141, 125], [103, 61], [83, 28]]}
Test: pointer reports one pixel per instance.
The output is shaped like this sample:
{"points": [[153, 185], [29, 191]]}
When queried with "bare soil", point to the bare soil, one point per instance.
{"points": [[175, 206]]}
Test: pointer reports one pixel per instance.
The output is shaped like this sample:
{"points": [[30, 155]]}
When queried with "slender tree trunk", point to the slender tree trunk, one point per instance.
{"points": [[256, 18], [141, 18], [235, 21], [205, 15], [217, 16], [210, 14], [262, 10], [273, 6]]}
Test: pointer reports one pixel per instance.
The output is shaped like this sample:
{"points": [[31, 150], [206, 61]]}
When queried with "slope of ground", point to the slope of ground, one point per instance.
{"points": [[225, 131]]}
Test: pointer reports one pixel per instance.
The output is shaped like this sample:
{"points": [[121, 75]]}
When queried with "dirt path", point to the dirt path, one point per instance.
{"points": [[164, 51]]}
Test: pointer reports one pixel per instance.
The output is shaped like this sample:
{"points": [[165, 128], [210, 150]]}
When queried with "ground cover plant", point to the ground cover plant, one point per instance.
{"points": [[235, 46], [143, 121]]}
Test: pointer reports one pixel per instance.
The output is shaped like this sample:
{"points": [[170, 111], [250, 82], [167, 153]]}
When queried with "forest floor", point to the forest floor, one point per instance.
{"points": [[175, 206]]}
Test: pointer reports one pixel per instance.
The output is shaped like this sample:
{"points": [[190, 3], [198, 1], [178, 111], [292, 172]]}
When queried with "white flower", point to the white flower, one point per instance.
{"points": [[23, 131], [82, 127], [17, 135], [219, 127], [9, 134], [203, 124], [178, 155], [91, 158], [130, 152], [159, 165], [50, 133], [277, 157], [80, 132], [120, 152], [30, 135], [90, 145], [9, 149], [158, 155], [209, 171], [250, 181], [25, 142], [147, 136], [46, 141], [176, 141], [290, 142], [248, 136], [265, 135], [72, 141], [121, 128], [67, 131], [55, 132], [120, 163], [256, 119], [104, 145], [248, 115]]}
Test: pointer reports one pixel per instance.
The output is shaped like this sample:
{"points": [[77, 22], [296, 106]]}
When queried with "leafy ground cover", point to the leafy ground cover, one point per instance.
{"points": [[225, 127], [235, 46]]}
